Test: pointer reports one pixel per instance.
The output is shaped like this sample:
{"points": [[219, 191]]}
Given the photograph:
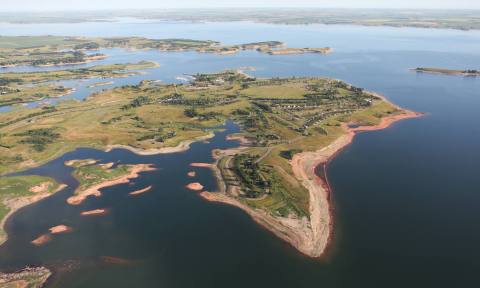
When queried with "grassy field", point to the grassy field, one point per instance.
{"points": [[15, 88], [37, 42], [89, 175], [105, 71], [12, 188]]}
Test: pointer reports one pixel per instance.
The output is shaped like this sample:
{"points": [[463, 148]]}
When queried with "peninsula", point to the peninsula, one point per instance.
{"points": [[288, 127], [56, 50]]}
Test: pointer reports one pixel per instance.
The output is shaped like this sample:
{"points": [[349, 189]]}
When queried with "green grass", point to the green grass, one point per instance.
{"points": [[90, 175], [19, 186], [17, 42], [112, 70]]}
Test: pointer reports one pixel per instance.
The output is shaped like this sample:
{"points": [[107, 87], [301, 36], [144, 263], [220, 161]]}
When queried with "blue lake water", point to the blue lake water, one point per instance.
{"points": [[407, 199]]}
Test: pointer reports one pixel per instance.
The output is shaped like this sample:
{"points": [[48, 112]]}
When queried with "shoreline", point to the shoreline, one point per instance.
{"points": [[81, 195], [16, 204], [181, 147], [59, 64], [309, 236], [444, 71]]}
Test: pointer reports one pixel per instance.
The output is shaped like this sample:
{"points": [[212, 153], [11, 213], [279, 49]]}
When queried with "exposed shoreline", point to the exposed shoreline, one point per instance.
{"points": [[309, 236], [18, 203], [80, 196], [181, 147]]}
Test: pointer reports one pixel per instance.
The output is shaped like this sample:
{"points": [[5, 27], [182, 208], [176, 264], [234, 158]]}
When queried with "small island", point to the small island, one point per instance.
{"points": [[469, 72], [93, 177]]}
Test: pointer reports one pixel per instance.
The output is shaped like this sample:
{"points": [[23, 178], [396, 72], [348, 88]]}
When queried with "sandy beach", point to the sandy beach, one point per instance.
{"points": [[94, 212], [201, 165], [94, 190]]}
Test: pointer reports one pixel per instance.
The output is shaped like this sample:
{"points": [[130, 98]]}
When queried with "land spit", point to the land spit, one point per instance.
{"points": [[310, 236], [94, 212], [181, 147], [141, 191]]}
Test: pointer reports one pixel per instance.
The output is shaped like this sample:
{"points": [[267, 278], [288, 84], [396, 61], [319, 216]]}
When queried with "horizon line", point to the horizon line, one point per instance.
{"points": [[243, 7]]}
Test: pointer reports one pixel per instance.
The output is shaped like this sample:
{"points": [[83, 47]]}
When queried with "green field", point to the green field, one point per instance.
{"points": [[89, 175], [12, 188]]}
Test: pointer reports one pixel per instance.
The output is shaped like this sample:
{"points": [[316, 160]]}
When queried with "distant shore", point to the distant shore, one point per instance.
{"points": [[447, 71]]}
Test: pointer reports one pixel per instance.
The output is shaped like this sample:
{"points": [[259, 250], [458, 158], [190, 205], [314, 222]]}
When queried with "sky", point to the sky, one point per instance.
{"points": [[44, 5]]}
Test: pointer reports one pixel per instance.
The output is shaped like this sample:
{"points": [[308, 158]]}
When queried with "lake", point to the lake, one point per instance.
{"points": [[406, 199]]}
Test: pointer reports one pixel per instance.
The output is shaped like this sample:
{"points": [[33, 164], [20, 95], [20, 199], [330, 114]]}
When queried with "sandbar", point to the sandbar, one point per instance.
{"points": [[94, 212], [195, 186], [42, 239], [60, 229], [141, 191], [201, 165]]}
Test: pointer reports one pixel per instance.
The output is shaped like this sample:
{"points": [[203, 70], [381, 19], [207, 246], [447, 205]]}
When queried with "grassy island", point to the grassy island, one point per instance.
{"points": [[468, 72], [92, 177]]}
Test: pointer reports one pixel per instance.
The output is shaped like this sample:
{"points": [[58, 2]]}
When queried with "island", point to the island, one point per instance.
{"points": [[288, 51], [289, 126], [468, 72], [92, 177]]}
